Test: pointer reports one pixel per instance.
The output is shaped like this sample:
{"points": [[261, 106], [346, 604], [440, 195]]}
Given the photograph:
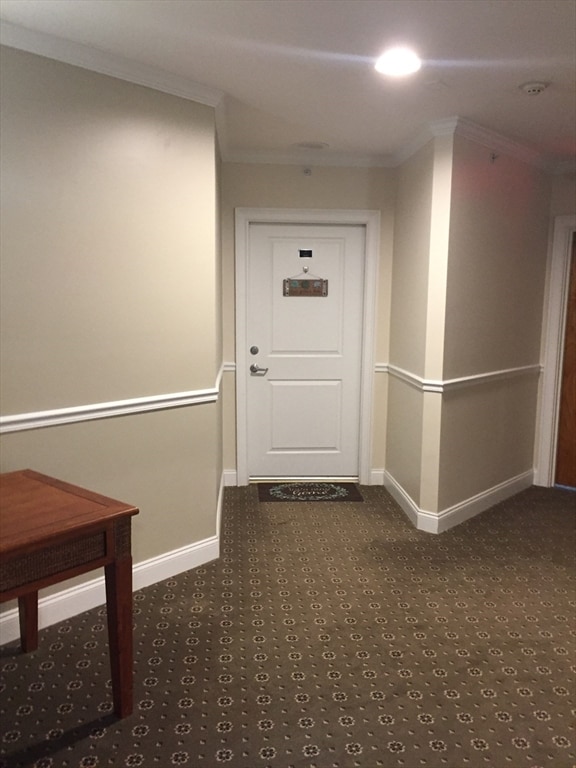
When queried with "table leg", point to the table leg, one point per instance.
{"points": [[119, 608], [28, 618]]}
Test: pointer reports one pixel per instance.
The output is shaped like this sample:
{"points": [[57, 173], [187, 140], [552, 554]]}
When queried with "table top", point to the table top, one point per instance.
{"points": [[35, 508]]}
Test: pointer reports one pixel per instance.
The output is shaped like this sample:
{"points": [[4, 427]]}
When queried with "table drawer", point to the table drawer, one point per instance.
{"points": [[56, 559]]}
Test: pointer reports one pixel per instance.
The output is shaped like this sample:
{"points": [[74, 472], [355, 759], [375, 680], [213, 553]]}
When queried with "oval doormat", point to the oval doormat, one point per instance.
{"points": [[308, 492]]}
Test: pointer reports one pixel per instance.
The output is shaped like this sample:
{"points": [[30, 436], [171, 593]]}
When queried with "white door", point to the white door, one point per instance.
{"points": [[303, 392]]}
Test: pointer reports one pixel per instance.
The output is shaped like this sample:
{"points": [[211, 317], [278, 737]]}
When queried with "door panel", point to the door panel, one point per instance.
{"points": [[320, 401], [293, 318], [303, 407]]}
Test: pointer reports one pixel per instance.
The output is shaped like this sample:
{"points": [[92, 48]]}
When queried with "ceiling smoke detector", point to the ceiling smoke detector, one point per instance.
{"points": [[533, 89]]}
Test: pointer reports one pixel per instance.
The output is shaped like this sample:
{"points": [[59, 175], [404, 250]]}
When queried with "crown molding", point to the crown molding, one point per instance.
{"points": [[445, 127], [459, 126], [499, 143], [523, 152], [105, 63], [411, 147], [310, 158]]}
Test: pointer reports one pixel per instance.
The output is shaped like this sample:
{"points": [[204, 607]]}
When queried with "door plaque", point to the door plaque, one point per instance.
{"points": [[307, 286]]}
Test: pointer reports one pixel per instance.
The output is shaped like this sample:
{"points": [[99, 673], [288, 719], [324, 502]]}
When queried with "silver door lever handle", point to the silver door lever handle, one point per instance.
{"points": [[255, 370]]}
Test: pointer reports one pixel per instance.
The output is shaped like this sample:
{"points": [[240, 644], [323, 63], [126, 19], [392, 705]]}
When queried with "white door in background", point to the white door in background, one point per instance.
{"points": [[303, 399]]}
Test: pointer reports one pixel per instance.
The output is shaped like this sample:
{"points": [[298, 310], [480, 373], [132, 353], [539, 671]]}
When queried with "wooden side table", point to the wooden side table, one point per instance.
{"points": [[51, 531]]}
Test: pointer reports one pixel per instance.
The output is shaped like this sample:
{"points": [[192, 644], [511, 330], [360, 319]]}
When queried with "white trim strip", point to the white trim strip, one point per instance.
{"points": [[23, 421], [471, 507], [244, 218], [497, 142], [441, 386], [431, 385], [432, 522], [105, 63], [402, 497], [39, 419], [306, 159], [553, 347], [230, 477], [87, 57]]}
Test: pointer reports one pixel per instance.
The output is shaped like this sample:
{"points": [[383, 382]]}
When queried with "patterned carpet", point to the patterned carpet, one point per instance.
{"points": [[328, 635]]}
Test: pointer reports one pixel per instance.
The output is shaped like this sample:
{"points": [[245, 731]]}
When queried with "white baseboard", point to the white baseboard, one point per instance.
{"points": [[230, 477], [433, 522], [70, 602], [399, 495], [473, 506], [377, 476]]}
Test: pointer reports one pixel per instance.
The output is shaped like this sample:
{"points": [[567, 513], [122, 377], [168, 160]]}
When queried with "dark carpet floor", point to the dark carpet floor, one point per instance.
{"points": [[328, 635]]}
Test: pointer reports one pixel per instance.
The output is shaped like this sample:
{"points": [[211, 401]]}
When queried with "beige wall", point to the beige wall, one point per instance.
{"points": [[409, 301], [404, 436], [496, 275], [162, 462], [487, 437], [247, 185], [408, 320], [467, 296], [100, 179], [110, 279], [498, 241], [563, 199]]}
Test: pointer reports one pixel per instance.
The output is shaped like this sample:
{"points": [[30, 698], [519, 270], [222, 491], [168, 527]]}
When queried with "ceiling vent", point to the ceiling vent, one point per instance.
{"points": [[533, 89]]}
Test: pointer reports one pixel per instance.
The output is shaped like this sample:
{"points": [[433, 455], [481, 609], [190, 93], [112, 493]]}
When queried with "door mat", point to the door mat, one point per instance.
{"points": [[308, 492]]}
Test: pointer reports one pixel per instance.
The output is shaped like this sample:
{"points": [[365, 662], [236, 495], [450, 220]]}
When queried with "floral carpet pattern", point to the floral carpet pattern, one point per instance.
{"points": [[327, 635]]}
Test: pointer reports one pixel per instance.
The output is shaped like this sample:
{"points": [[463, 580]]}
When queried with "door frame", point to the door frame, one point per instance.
{"points": [[244, 217], [553, 349]]}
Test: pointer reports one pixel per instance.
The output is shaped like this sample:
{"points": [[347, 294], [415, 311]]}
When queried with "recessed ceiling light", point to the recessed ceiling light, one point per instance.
{"points": [[398, 62]]}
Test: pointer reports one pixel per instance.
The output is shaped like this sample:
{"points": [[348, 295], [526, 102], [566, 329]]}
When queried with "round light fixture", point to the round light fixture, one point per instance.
{"points": [[398, 62]]}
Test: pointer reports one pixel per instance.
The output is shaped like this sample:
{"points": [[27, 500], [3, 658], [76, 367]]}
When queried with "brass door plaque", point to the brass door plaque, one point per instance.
{"points": [[308, 286]]}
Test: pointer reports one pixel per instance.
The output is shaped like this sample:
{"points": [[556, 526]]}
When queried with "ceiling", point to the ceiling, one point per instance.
{"points": [[282, 73]]}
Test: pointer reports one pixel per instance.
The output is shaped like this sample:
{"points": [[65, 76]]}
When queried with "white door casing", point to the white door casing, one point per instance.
{"points": [[552, 349], [309, 415]]}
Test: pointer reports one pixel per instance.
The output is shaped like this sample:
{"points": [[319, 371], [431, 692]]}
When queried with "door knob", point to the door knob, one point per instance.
{"points": [[255, 370]]}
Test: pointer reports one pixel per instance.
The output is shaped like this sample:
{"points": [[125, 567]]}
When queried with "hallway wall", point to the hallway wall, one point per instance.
{"points": [[110, 293], [468, 278], [496, 277], [409, 305]]}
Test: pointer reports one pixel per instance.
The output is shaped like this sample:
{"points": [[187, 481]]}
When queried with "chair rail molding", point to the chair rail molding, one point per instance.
{"points": [[446, 385], [74, 414]]}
